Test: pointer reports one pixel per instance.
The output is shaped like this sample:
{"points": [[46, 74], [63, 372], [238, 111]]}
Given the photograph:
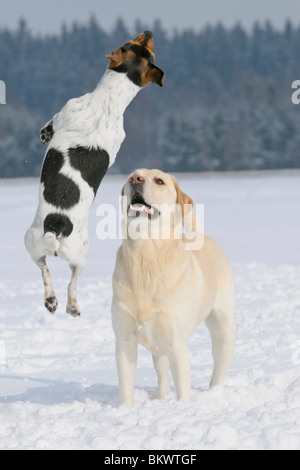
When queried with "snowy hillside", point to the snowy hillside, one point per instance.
{"points": [[58, 380]]}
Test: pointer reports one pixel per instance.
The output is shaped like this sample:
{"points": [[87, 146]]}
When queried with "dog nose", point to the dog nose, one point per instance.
{"points": [[136, 179]]}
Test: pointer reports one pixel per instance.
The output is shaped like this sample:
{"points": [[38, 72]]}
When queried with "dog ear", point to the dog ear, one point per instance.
{"points": [[191, 224], [115, 58], [155, 75], [146, 39], [183, 200]]}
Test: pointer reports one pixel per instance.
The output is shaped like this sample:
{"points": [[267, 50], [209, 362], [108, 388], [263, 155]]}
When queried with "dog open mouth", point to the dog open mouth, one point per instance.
{"points": [[139, 206]]}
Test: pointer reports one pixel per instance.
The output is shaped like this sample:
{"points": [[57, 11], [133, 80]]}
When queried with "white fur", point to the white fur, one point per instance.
{"points": [[96, 119], [162, 292], [93, 120]]}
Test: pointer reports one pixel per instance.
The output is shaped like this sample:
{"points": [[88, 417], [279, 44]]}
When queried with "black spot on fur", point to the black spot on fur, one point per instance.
{"points": [[133, 67], [140, 51], [58, 224], [92, 164], [59, 191], [133, 73]]}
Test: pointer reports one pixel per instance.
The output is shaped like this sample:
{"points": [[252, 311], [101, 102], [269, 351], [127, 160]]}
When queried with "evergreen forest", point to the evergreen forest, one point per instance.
{"points": [[226, 103]]}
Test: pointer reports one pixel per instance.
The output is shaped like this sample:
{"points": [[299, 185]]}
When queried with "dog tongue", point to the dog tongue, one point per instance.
{"points": [[142, 208]]}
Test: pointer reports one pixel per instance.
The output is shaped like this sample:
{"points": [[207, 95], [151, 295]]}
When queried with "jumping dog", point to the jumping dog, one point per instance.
{"points": [[84, 139]]}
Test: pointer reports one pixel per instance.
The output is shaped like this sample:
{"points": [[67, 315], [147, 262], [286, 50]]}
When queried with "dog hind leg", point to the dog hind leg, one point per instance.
{"points": [[72, 306], [222, 330], [51, 302], [221, 324]]}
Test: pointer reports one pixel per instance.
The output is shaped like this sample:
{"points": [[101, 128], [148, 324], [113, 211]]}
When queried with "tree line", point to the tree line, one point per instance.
{"points": [[226, 103]]}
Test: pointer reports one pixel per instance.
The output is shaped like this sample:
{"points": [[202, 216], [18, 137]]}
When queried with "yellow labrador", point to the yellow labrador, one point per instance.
{"points": [[163, 287]]}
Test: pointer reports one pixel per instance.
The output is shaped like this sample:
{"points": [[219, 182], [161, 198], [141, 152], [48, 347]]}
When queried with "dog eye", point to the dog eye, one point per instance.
{"points": [[159, 181]]}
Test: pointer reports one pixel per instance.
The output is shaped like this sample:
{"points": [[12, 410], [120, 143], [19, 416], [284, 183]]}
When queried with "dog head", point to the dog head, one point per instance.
{"points": [[136, 59], [154, 199]]}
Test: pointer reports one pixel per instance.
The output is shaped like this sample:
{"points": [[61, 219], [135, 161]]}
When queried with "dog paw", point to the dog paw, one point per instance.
{"points": [[73, 310], [51, 304], [47, 132]]}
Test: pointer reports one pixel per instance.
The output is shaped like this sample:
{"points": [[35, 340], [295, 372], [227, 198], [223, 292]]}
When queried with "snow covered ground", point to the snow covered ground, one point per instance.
{"points": [[58, 381]]}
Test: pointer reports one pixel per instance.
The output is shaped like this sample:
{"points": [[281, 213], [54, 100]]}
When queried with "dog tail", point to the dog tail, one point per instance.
{"points": [[56, 227], [52, 243]]}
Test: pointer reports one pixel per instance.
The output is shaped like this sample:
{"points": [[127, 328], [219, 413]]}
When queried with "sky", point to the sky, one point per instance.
{"points": [[47, 16]]}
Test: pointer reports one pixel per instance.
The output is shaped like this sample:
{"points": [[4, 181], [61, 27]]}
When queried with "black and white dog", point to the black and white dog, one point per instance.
{"points": [[85, 138]]}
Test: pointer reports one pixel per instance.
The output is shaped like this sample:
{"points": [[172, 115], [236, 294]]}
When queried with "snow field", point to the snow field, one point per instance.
{"points": [[58, 379]]}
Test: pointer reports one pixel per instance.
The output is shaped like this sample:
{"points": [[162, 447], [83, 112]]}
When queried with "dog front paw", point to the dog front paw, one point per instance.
{"points": [[51, 304], [47, 132]]}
